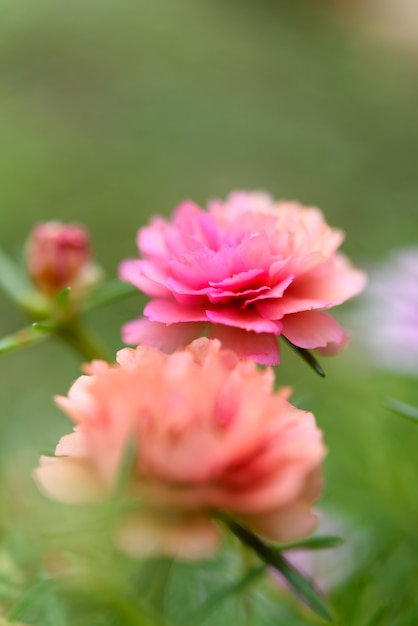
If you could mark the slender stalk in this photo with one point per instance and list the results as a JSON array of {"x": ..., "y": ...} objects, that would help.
[
  {"x": 82, "y": 340},
  {"x": 247, "y": 564},
  {"x": 155, "y": 577}
]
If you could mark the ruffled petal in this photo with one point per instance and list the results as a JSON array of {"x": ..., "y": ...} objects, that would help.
[
  {"x": 262, "y": 348},
  {"x": 171, "y": 312},
  {"x": 333, "y": 282},
  {"x": 246, "y": 319},
  {"x": 167, "y": 338},
  {"x": 146, "y": 276},
  {"x": 310, "y": 329}
]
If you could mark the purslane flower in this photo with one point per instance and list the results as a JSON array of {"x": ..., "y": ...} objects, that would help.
[
  {"x": 209, "y": 434},
  {"x": 58, "y": 256},
  {"x": 245, "y": 271},
  {"x": 387, "y": 318}
]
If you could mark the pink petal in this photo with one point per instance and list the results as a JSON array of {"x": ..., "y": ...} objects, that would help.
[
  {"x": 151, "y": 240},
  {"x": 247, "y": 296},
  {"x": 197, "y": 225},
  {"x": 276, "y": 309},
  {"x": 310, "y": 329},
  {"x": 167, "y": 338},
  {"x": 262, "y": 348},
  {"x": 145, "y": 276},
  {"x": 192, "y": 272},
  {"x": 171, "y": 312},
  {"x": 255, "y": 250},
  {"x": 275, "y": 293},
  {"x": 333, "y": 282},
  {"x": 239, "y": 280},
  {"x": 245, "y": 319}
]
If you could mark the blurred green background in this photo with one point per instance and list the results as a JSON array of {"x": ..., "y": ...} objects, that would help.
[{"x": 111, "y": 111}]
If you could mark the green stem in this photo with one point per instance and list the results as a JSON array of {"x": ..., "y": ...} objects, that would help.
[
  {"x": 83, "y": 341},
  {"x": 247, "y": 564},
  {"x": 155, "y": 577}
]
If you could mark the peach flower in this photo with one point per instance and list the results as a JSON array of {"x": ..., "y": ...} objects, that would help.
[
  {"x": 247, "y": 270},
  {"x": 209, "y": 433}
]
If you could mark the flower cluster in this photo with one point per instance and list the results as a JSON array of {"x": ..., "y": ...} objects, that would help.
[{"x": 211, "y": 436}]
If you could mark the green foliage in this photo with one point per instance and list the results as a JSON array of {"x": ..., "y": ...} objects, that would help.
[
  {"x": 113, "y": 111},
  {"x": 404, "y": 410}
]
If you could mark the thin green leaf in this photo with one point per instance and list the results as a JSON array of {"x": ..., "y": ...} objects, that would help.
[
  {"x": 47, "y": 326},
  {"x": 407, "y": 411},
  {"x": 23, "y": 338},
  {"x": 32, "y": 596},
  {"x": 13, "y": 282},
  {"x": 63, "y": 297},
  {"x": 126, "y": 466},
  {"x": 307, "y": 357},
  {"x": 54, "y": 611},
  {"x": 106, "y": 293},
  {"x": 274, "y": 559},
  {"x": 303, "y": 587},
  {"x": 376, "y": 620},
  {"x": 314, "y": 543},
  {"x": 199, "y": 616}
]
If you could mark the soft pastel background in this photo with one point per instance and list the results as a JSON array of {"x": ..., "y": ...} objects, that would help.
[{"x": 113, "y": 110}]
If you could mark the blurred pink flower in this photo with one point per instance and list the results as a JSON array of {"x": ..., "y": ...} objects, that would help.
[
  {"x": 250, "y": 269},
  {"x": 209, "y": 433},
  {"x": 59, "y": 255},
  {"x": 387, "y": 319}
]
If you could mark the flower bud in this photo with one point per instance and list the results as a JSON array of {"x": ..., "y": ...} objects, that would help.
[{"x": 59, "y": 255}]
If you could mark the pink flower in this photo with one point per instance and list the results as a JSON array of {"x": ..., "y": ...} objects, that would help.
[
  {"x": 59, "y": 255},
  {"x": 209, "y": 433},
  {"x": 248, "y": 270},
  {"x": 388, "y": 320}
]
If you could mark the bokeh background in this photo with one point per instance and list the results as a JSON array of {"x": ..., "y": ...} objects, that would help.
[{"x": 113, "y": 110}]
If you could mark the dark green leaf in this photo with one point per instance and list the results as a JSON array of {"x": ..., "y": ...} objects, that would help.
[
  {"x": 308, "y": 358},
  {"x": 274, "y": 559},
  {"x": 314, "y": 543},
  {"x": 302, "y": 586}
]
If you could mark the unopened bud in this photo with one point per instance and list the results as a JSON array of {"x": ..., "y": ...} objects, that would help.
[{"x": 58, "y": 256}]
